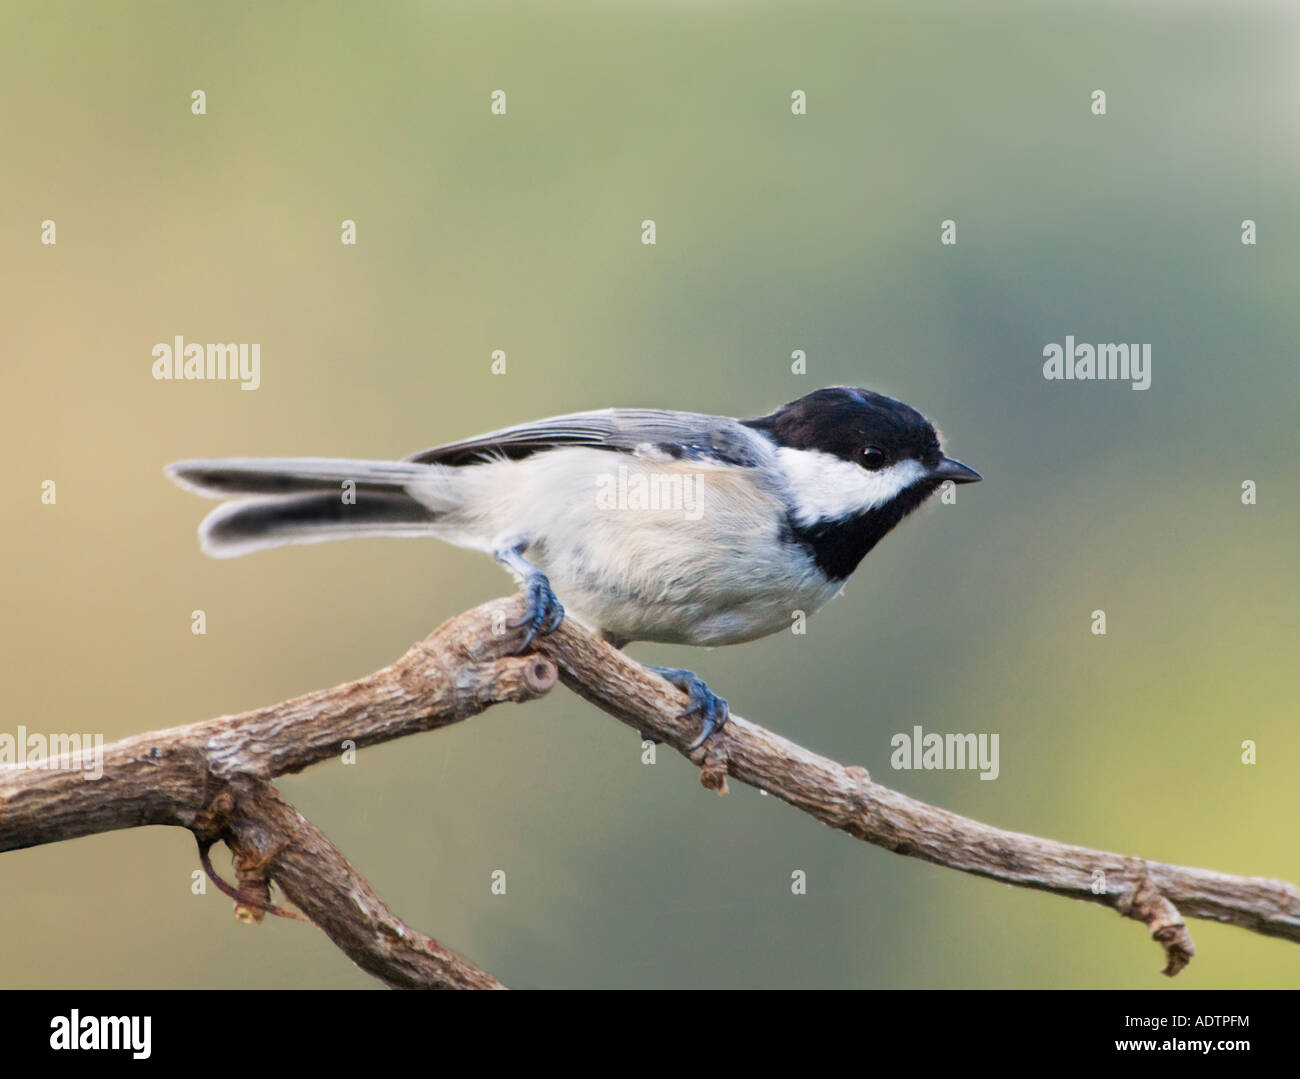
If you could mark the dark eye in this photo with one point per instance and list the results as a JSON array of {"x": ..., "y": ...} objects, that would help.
[{"x": 873, "y": 458}]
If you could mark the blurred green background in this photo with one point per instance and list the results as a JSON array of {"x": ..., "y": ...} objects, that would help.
[{"x": 775, "y": 232}]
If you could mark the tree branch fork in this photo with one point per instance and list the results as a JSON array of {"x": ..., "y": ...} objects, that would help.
[{"x": 215, "y": 778}]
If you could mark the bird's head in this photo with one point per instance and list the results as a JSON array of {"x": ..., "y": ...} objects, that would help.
[{"x": 856, "y": 463}]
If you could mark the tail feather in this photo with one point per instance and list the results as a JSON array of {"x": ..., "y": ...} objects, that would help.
[
  {"x": 291, "y": 475},
  {"x": 255, "y": 524}
]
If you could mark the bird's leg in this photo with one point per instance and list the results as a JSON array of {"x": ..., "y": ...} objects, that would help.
[
  {"x": 713, "y": 710},
  {"x": 542, "y": 613}
]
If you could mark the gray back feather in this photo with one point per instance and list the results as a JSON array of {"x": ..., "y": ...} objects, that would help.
[{"x": 685, "y": 435}]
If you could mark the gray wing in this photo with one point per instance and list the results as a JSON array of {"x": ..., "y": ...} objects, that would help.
[{"x": 679, "y": 435}]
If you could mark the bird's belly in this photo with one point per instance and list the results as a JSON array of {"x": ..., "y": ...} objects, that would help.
[{"x": 709, "y": 598}]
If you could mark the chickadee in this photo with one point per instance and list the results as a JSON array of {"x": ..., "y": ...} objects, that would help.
[{"x": 653, "y": 525}]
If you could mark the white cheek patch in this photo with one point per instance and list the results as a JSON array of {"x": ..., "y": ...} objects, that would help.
[{"x": 824, "y": 487}]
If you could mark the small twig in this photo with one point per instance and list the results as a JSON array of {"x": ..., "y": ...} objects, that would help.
[{"x": 249, "y": 907}]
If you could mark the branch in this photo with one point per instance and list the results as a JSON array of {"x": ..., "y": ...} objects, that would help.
[
  {"x": 846, "y": 798},
  {"x": 214, "y": 778},
  {"x": 273, "y": 841}
]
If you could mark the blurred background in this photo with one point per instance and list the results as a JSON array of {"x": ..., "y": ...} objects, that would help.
[{"x": 775, "y": 232}]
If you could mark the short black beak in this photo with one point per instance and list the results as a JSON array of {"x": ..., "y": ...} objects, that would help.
[{"x": 956, "y": 471}]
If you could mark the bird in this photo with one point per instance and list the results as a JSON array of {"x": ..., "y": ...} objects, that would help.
[{"x": 644, "y": 524}]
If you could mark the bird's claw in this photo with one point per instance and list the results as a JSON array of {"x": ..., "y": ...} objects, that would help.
[
  {"x": 543, "y": 612},
  {"x": 712, "y": 709}
]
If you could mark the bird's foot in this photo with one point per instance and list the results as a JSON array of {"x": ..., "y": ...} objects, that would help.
[
  {"x": 713, "y": 710},
  {"x": 543, "y": 612}
]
